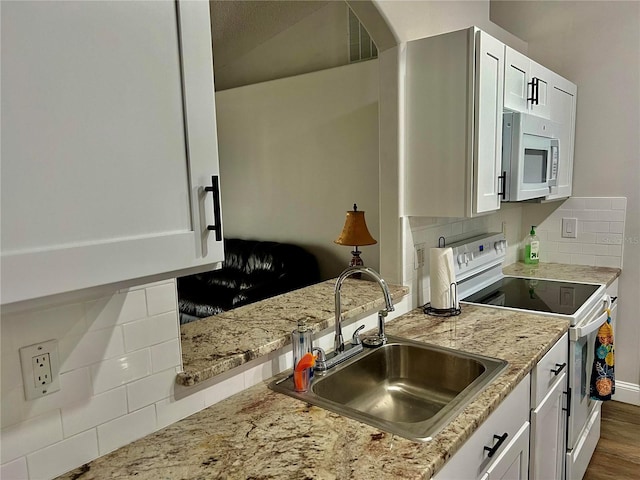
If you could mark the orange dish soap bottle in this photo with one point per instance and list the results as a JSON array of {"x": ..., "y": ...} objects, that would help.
[{"x": 532, "y": 248}]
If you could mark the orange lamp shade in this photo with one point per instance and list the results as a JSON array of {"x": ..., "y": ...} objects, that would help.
[{"x": 355, "y": 231}]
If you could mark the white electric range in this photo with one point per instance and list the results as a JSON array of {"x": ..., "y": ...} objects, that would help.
[{"x": 478, "y": 266}]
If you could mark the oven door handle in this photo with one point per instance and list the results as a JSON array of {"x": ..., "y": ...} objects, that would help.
[{"x": 581, "y": 331}]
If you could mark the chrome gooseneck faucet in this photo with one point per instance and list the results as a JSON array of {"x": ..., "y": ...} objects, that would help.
[{"x": 380, "y": 339}]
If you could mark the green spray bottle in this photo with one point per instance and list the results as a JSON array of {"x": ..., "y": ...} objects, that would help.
[{"x": 532, "y": 248}]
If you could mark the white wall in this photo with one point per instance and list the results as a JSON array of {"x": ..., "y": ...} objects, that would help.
[
  {"x": 296, "y": 154},
  {"x": 411, "y": 19},
  {"x": 596, "y": 45}
]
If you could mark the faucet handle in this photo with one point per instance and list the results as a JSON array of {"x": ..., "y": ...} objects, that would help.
[{"x": 355, "y": 339}]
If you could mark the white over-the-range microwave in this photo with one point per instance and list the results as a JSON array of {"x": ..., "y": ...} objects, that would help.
[{"x": 530, "y": 152}]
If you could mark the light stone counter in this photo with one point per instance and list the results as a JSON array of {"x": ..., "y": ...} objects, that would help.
[
  {"x": 216, "y": 344},
  {"x": 560, "y": 271},
  {"x": 262, "y": 434}
]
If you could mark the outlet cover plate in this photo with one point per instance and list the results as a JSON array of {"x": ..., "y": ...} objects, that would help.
[{"x": 32, "y": 388}]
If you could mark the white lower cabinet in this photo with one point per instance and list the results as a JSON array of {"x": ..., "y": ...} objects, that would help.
[
  {"x": 548, "y": 433},
  {"x": 548, "y": 415},
  {"x": 513, "y": 462},
  {"x": 500, "y": 446}
]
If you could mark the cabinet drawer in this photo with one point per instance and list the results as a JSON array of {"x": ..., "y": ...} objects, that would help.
[
  {"x": 472, "y": 460},
  {"x": 548, "y": 370}
]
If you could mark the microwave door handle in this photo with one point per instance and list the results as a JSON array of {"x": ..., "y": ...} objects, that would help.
[{"x": 552, "y": 171}]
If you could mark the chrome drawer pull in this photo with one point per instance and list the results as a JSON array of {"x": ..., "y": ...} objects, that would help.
[
  {"x": 559, "y": 369},
  {"x": 494, "y": 449}
]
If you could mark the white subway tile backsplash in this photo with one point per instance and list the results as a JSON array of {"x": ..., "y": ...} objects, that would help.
[
  {"x": 593, "y": 227},
  {"x": 12, "y": 406},
  {"x": 92, "y": 347},
  {"x": 117, "y": 371},
  {"x": 100, "y": 409},
  {"x": 616, "y": 227},
  {"x": 595, "y": 249},
  {"x": 125, "y": 429},
  {"x": 151, "y": 331},
  {"x": 166, "y": 355},
  {"x": 74, "y": 386},
  {"x": 559, "y": 258},
  {"x": 16, "y": 470},
  {"x": 151, "y": 389},
  {"x": 257, "y": 374},
  {"x": 619, "y": 203},
  {"x": 161, "y": 299},
  {"x": 574, "y": 203},
  {"x": 610, "y": 238},
  {"x": 569, "y": 248},
  {"x": 225, "y": 388},
  {"x": 598, "y": 203},
  {"x": 583, "y": 259},
  {"x": 117, "y": 309},
  {"x": 600, "y": 231},
  {"x": 171, "y": 410},
  {"x": 30, "y": 435},
  {"x": 614, "y": 250},
  {"x": 609, "y": 261},
  {"x": 63, "y": 456}
]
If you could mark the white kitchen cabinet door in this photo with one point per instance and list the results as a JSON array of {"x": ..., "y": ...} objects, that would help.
[
  {"x": 540, "y": 78},
  {"x": 548, "y": 433},
  {"x": 563, "y": 95},
  {"x": 499, "y": 436},
  {"x": 489, "y": 96},
  {"x": 516, "y": 81},
  {"x": 513, "y": 462},
  {"x": 453, "y": 124},
  {"x": 108, "y": 145},
  {"x": 527, "y": 85}
]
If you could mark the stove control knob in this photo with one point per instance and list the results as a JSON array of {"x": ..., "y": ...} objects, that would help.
[
  {"x": 498, "y": 246},
  {"x": 462, "y": 258}
]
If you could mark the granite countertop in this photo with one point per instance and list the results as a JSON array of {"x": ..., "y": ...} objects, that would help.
[
  {"x": 559, "y": 271},
  {"x": 262, "y": 434},
  {"x": 216, "y": 344}
]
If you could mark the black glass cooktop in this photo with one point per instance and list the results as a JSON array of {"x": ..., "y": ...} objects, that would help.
[{"x": 540, "y": 295}]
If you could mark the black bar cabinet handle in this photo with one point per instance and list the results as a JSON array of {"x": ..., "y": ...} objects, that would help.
[
  {"x": 559, "y": 368},
  {"x": 494, "y": 449},
  {"x": 503, "y": 178},
  {"x": 532, "y": 98},
  {"x": 215, "y": 189}
]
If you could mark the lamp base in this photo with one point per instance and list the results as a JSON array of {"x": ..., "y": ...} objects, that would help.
[{"x": 356, "y": 261}]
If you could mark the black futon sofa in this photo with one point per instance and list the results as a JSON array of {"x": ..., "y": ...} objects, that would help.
[{"x": 252, "y": 270}]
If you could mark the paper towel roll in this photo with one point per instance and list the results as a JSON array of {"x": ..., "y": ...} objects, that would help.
[{"x": 442, "y": 276}]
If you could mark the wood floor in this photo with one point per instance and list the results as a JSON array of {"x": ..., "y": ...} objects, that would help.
[{"x": 617, "y": 455}]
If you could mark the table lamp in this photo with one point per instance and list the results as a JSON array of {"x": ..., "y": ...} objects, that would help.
[{"x": 355, "y": 233}]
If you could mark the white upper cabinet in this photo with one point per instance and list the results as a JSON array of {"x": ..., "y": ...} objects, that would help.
[
  {"x": 108, "y": 145},
  {"x": 562, "y": 99},
  {"x": 454, "y": 102},
  {"x": 526, "y": 85}
]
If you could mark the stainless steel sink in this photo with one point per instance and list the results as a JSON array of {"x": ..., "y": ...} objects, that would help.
[{"x": 408, "y": 388}]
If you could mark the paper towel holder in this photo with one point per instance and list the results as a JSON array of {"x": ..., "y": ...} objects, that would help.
[{"x": 446, "y": 312}]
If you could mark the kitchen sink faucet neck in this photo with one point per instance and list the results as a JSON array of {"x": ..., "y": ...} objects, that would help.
[{"x": 380, "y": 339}]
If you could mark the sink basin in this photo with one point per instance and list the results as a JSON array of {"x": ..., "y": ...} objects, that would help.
[{"x": 408, "y": 388}]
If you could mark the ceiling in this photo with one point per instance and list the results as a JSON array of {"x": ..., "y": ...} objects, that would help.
[{"x": 238, "y": 26}]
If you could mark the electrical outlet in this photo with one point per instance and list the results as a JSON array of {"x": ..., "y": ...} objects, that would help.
[
  {"x": 40, "y": 369},
  {"x": 418, "y": 261}
]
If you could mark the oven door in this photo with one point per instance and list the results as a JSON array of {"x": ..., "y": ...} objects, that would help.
[{"x": 581, "y": 435}]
